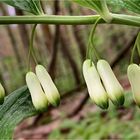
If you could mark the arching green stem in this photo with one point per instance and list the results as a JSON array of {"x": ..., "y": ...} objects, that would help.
[
  {"x": 31, "y": 48},
  {"x": 92, "y": 39},
  {"x": 138, "y": 43},
  {"x": 134, "y": 49},
  {"x": 90, "y": 42}
]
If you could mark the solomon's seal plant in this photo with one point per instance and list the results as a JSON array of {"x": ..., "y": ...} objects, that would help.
[
  {"x": 112, "y": 86},
  {"x": 94, "y": 85},
  {"x": 26, "y": 102}
]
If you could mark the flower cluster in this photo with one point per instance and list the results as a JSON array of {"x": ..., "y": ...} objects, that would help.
[
  {"x": 43, "y": 90},
  {"x": 102, "y": 84}
]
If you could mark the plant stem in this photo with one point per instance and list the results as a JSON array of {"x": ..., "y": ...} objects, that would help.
[
  {"x": 91, "y": 43},
  {"x": 69, "y": 20},
  {"x": 92, "y": 39},
  {"x": 31, "y": 48},
  {"x": 133, "y": 52},
  {"x": 106, "y": 15},
  {"x": 138, "y": 43}
]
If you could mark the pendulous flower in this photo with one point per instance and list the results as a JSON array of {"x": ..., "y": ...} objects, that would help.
[
  {"x": 133, "y": 73},
  {"x": 48, "y": 86},
  {"x": 113, "y": 87},
  {"x": 39, "y": 98},
  {"x": 95, "y": 88}
]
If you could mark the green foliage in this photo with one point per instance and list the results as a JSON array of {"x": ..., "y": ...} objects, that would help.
[
  {"x": 32, "y": 6},
  {"x": 94, "y": 5},
  {"x": 16, "y": 107},
  {"x": 132, "y": 5},
  {"x": 98, "y": 5}
]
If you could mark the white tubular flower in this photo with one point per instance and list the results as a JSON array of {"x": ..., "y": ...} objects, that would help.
[
  {"x": 133, "y": 73},
  {"x": 39, "y": 98},
  {"x": 113, "y": 87},
  {"x": 95, "y": 88},
  {"x": 49, "y": 87},
  {"x": 2, "y": 94}
]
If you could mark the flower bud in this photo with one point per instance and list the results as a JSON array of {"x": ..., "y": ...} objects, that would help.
[
  {"x": 133, "y": 73},
  {"x": 48, "y": 85},
  {"x": 39, "y": 98},
  {"x": 95, "y": 88},
  {"x": 2, "y": 94},
  {"x": 114, "y": 89}
]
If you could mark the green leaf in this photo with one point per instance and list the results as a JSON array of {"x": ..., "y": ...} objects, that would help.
[
  {"x": 131, "y": 5},
  {"x": 16, "y": 107},
  {"x": 86, "y": 3},
  {"x": 98, "y": 5},
  {"x": 32, "y": 6}
]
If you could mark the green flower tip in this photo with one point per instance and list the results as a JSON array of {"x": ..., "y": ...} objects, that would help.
[
  {"x": 133, "y": 73},
  {"x": 48, "y": 85},
  {"x": 119, "y": 101},
  {"x": 2, "y": 94},
  {"x": 57, "y": 102},
  {"x": 104, "y": 104},
  {"x": 39, "y": 99}
]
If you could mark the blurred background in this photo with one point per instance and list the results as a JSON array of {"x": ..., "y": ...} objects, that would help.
[{"x": 62, "y": 49}]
